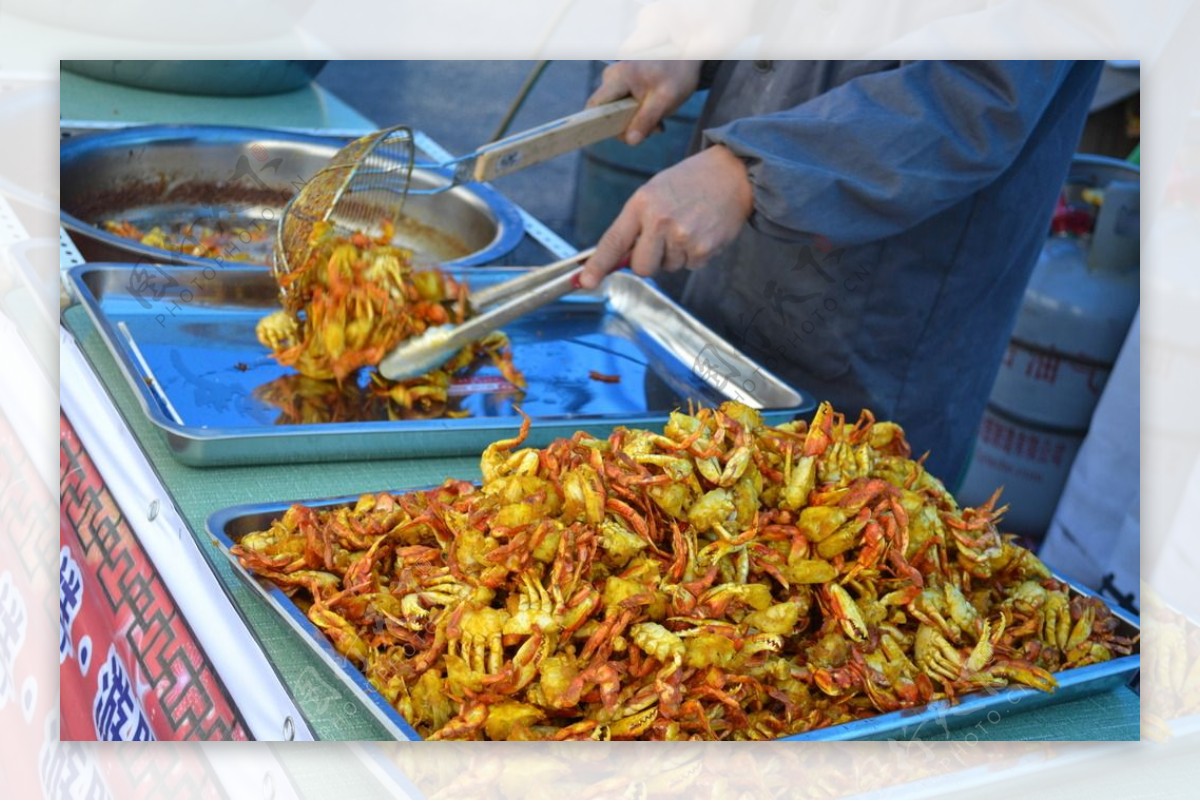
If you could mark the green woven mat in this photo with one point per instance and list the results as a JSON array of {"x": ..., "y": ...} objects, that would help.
[
  {"x": 330, "y": 709},
  {"x": 1107, "y": 716}
]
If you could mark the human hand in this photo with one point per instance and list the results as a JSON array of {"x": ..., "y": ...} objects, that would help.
[
  {"x": 660, "y": 87},
  {"x": 679, "y": 218}
]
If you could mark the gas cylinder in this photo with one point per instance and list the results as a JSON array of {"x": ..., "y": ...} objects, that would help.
[{"x": 1081, "y": 298}]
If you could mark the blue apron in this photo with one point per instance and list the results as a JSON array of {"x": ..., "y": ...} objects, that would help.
[{"x": 899, "y": 208}]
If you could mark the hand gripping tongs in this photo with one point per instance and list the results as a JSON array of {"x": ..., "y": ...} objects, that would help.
[{"x": 494, "y": 306}]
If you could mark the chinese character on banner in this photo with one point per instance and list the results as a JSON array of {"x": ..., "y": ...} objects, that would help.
[
  {"x": 115, "y": 711},
  {"x": 70, "y": 598},
  {"x": 12, "y": 636},
  {"x": 987, "y": 432},
  {"x": 68, "y": 770}
]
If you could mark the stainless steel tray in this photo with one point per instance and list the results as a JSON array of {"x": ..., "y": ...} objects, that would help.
[
  {"x": 228, "y": 526},
  {"x": 184, "y": 338},
  {"x": 176, "y": 175}
]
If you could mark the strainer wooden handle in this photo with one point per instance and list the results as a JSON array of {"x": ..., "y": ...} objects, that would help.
[{"x": 552, "y": 139}]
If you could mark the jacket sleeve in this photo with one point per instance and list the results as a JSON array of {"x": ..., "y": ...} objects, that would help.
[{"x": 883, "y": 152}]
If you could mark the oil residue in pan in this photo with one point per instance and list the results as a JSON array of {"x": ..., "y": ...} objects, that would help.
[
  {"x": 238, "y": 221},
  {"x": 221, "y": 238},
  {"x": 179, "y": 196}
]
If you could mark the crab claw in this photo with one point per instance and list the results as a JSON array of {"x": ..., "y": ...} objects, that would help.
[
  {"x": 1027, "y": 673},
  {"x": 820, "y": 433}
]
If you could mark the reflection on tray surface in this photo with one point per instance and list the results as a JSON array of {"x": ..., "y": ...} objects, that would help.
[{"x": 304, "y": 401}]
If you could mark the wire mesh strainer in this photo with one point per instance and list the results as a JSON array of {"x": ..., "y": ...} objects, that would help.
[
  {"x": 364, "y": 183},
  {"x": 368, "y": 180}
]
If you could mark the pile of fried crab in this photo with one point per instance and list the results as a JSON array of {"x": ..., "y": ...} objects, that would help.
[{"x": 723, "y": 579}]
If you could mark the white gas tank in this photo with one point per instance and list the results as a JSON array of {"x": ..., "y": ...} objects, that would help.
[{"x": 1081, "y": 298}]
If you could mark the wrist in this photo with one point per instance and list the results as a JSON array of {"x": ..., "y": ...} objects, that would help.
[{"x": 735, "y": 178}]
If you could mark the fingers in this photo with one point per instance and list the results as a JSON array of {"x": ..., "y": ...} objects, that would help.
[
  {"x": 611, "y": 250},
  {"x": 659, "y": 88},
  {"x": 647, "y": 255},
  {"x": 647, "y": 119},
  {"x": 650, "y": 104},
  {"x": 675, "y": 256},
  {"x": 679, "y": 219},
  {"x": 613, "y": 87}
]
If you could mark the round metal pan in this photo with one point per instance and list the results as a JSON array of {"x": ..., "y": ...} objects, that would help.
[{"x": 172, "y": 176}]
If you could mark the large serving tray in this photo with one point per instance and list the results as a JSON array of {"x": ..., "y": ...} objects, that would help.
[
  {"x": 228, "y": 526},
  {"x": 184, "y": 338}
]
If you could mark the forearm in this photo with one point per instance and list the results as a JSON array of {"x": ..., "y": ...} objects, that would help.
[{"x": 883, "y": 152}]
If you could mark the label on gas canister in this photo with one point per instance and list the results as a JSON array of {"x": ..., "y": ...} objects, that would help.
[
  {"x": 1031, "y": 463},
  {"x": 1048, "y": 388}
]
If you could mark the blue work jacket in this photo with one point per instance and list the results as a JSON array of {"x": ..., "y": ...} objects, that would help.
[{"x": 899, "y": 208}]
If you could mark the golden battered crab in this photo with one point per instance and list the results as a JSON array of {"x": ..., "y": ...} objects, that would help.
[
  {"x": 353, "y": 300},
  {"x": 721, "y": 579}
]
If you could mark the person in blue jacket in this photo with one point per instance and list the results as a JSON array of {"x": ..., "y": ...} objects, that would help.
[{"x": 866, "y": 229}]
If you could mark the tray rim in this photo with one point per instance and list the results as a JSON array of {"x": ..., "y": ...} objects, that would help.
[
  {"x": 874, "y": 727},
  {"x": 151, "y": 405}
]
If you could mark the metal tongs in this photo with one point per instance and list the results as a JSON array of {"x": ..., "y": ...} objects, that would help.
[{"x": 494, "y": 306}]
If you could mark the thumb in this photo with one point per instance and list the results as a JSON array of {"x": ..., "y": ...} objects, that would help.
[{"x": 647, "y": 119}]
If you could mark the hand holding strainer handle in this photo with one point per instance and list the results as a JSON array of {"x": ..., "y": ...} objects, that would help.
[{"x": 540, "y": 144}]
